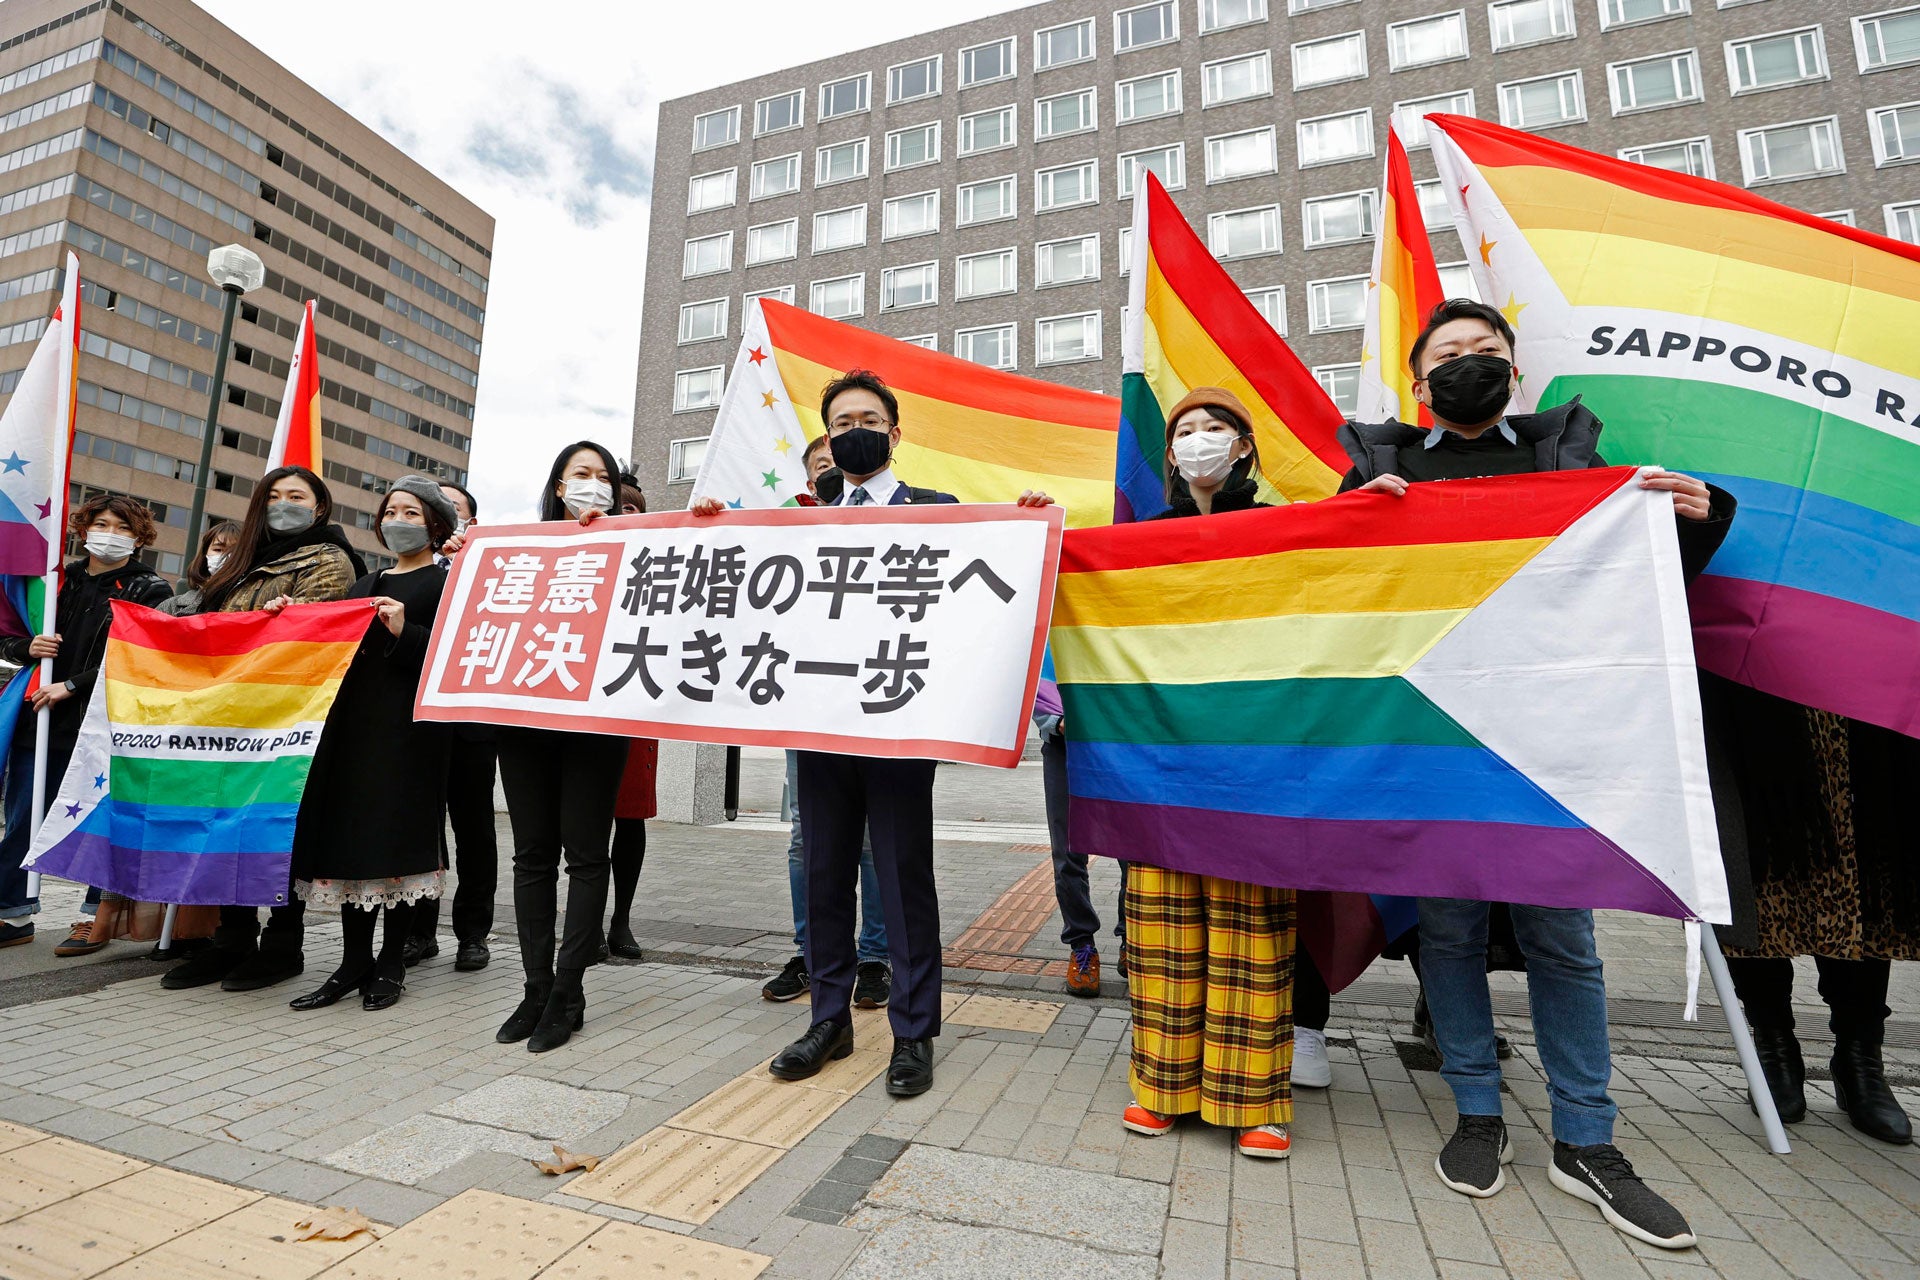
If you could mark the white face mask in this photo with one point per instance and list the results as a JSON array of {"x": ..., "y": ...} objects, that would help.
[
  {"x": 110, "y": 548},
  {"x": 1205, "y": 457},
  {"x": 587, "y": 495},
  {"x": 214, "y": 560}
]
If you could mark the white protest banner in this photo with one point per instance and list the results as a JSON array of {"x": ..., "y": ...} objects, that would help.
[{"x": 901, "y": 631}]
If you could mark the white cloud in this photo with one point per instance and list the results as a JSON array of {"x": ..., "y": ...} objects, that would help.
[{"x": 548, "y": 126}]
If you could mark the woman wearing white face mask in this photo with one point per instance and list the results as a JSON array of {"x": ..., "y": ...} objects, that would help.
[
  {"x": 1210, "y": 961},
  {"x": 216, "y": 544},
  {"x": 112, "y": 530}
]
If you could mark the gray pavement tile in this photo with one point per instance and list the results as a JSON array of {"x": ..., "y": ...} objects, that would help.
[
  {"x": 1111, "y": 1212},
  {"x": 539, "y": 1107},
  {"x": 820, "y": 1251},
  {"x": 1197, "y": 1249},
  {"x": 88, "y": 1124},
  {"x": 152, "y": 1142},
  {"x": 414, "y": 1150},
  {"x": 1200, "y": 1195},
  {"x": 1323, "y": 1260},
  {"x": 1395, "y": 1251},
  {"x": 299, "y": 1180},
  {"x": 225, "y": 1160},
  {"x": 1261, "y": 1233},
  {"x": 935, "y": 1250},
  {"x": 385, "y": 1202}
]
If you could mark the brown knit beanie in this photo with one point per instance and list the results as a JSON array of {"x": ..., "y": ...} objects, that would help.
[{"x": 1213, "y": 398}]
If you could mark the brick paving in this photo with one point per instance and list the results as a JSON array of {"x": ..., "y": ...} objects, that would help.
[{"x": 1015, "y": 1163}]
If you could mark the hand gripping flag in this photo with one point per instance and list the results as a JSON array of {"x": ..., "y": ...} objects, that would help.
[
  {"x": 187, "y": 776},
  {"x": 1402, "y": 292},
  {"x": 296, "y": 434},
  {"x": 1764, "y": 349},
  {"x": 979, "y": 434}
]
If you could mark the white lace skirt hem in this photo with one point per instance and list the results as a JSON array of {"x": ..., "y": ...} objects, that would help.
[{"x": 391, "y": 890}]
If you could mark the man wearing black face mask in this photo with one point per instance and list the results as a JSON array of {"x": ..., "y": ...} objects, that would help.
[{"x": 1463, "y": 368}]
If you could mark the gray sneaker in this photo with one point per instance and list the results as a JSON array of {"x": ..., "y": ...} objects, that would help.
[
  {"x": 1470, "y": 1162},
  {"x": 1601, "y": 1176}
]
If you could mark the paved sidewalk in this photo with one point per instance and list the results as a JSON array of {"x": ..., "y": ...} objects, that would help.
[{"x": 1015, "y": 1164}]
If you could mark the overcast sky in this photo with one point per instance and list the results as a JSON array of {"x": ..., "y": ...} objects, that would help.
[{"x": 549, "y": 128}]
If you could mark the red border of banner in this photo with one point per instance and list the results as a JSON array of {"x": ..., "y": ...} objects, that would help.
[{"x": 1055, "y": 517}]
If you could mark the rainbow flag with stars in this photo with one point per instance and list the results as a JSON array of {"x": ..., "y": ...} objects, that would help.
[
  {"x": 980, "y": 434},
  {"x": 186, "y": 780},
  {"x": 1764, "y": 349},
  {"x": 1484, "y": 689},
  {"x": 1401, "y": 293}
]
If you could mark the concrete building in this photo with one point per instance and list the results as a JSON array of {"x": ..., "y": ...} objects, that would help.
[
  {"x": 141, "y": 137},
  {"x": 968, "y": 188}
]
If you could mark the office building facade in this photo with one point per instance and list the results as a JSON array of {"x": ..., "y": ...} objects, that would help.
[
  {"x": 969, "y": 188},
  {"x": 141, "y": 136}
]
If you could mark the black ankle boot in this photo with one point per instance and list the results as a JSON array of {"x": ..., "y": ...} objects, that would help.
[
  {"x": 521, "y": 1022},
  {"x": 1779, "y": 1052},
  {"x": 566, "y": 1010},
  {"x": 1860, "y": 1087}
]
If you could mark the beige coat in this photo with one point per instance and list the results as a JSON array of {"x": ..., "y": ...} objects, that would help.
[{"x": 320, "y": 571}]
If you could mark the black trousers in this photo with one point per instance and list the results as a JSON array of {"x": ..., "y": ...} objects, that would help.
[
  {"x": 475, "y": 856},
  {"x": 286, "y": 931},
  {"x": 1078, "y": 920},
  {"x": 842, "y": 798},
  {"x": 1855, "y": 992},
  {"x": 560, "y": 789}
]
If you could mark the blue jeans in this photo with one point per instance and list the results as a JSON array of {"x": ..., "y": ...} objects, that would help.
[
  {"x": 872, "y": 943},
  {"x": 1568, "y": 998},
  {"x": 14, "y": 902}
]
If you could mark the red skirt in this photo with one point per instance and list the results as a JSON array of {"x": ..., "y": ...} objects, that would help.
[{"x": 636, "y": 784}]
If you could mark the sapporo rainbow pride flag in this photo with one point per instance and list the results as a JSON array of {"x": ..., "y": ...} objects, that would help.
[
  {"x": 978, "y": 433},
  {"x": 1764, "y": 349},
  {"x": 1484, "y": 689},
  {"x": 187, "y": 776}
]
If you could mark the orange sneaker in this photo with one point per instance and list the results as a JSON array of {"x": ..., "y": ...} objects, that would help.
[
  {"x": 1141, "y": 1120},
  {"x": 1083, "y": 971},
  {"x": 1268, "y": 1142}
]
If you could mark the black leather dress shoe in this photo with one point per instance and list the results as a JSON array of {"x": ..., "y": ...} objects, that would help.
[
  {"x": 381, "y": 992},
  {"x": 262, "y": 969},
  {"x": 1786, "y": 1073},
  {"x": 824, "y": 1042},
  {"x": 1860, "y": 1087},
  {"x": 620, "y": 942},
  {"x": 330, "y": 992},
  {"x": 471, "y": 956},
  {"x": 911, "y": 1071}
]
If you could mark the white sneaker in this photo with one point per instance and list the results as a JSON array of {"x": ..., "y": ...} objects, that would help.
[{"x": 1310, "y": 1067}]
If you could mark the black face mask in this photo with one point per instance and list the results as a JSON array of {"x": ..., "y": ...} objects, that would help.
[
  {"x": 861, "y": 452},
  {"x": 1470, "y": 389},
  {"x": 829, "y": 485}
]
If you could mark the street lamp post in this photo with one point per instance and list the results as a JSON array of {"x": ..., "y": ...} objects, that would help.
[{"x": 237, "y": 270}]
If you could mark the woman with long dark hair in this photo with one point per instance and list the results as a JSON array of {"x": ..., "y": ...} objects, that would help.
[
  {"x": 216, "y": 544},
  {"x": 288, "y": 550}
]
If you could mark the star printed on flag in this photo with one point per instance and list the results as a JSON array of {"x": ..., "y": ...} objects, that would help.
[
  {"x": 771, "y": 479},
  {"x": 99, "y": 781},
  {"x": 756, "y": 355},
  {"x": 768, "y": 399},
  {"x": 1512, "y": 310},
  {"x": 781, "y": 446},
  {"x": 14, "y": 463},
  {"x": 736, "y": 504},
  {"x": 1486, "y": 250},
  {"x": 73, "y": 811},
  {"x": 45, "y": 509}
]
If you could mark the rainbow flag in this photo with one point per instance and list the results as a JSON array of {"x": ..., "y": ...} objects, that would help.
[
  {"x": 187, "y": 776},
  {"x": 296, "y": 434},
  {"x": 977, "y": 433},
  {"x": 1404, "y": 290},
  {"x": 1189, "y": 325},
  {"x": 1482, "y": 690},
  {"x": 1766, "y": 350}
]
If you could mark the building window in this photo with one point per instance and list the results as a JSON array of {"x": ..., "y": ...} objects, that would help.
[
  {"x": 1518, "y": 23},
  {"x": 1124, "y": 247},
  {"x": 914, "y": 215},
  {"x": 1903, "y": 221},
  {"x": 1410, "y": 118},
  {"x": 684, "y": 458},
  {"x": 716, "y": 128},
  {"x": 1896, "y": 133},
  {"x": 908, "y": 148},
  {"x": 1341, "y": 382},
  {"x": 1543, "y": 102},
  {"x": 986, "y": 201},
  {"x": 696, "y": 389},
  {"x": 1146, "y": 25},
  {"x": 1433, "y": 204},
  {"x": 779, "y": 293},
  {"x": 712, "y": 190},
  {"x": 1065, "y": 186},
  {"x": 911, "y": 81},
  {"x": 1064, "y": 44},
  {"x": 773, "y": 242},
  {"x": 991, "y": 345},
  {"x": 985, "y": 63},
  {"x": 1063, "y": 113},
  {"x": 1842, "y": 216},
  {"x": 1687, "y": 155},
  {"x": 779, "y": 176},
  {"x": 987, "y": 131},
  {"x": 838, "y": 299},
  {"x": 779, "y": 113},
  {"x": 925, "y": 341},
  {"x": 984, "y": 275},
  {"x": 845, "y": 97},
  {"x": 1646, "y": 83},
  {"x": 1147, "y": 97},
  {"x": 1248, "y": 154},
  {"x": 1329, "y": 61},
  {"x": 1333, "y": 305},
  {"x": 1456, "y": 281},
  {"x": 1425, "y": 41},
  {"x": 1620, "y": 13},
  {"x": 1887, "y": 39},
  {"x": 705, "y": 255},
  {"x": 840, "y": 229},
  {"x": 1236, "y": 79},
  {"x": 1244, "y": 233},
  {"x": 1219, "y": 15},
  {"x": 1169, "y": 164},
  {"x": 1066, "y": 339},
  {"x": 701, "y": 321},
  {"x": 1271, "y": 303},
  {"x": 1341, "y": 219},
  {"x": 1073, "y": 260},
  {"x": 841, "y": 162},
  {"x": 1785, "y": 152},
  {"x": 1332, "y": 139},
  {"x": 912, "y": 286},
  {"x": 1772, "y": 62},
  {"x": 1304, "y": 6}
]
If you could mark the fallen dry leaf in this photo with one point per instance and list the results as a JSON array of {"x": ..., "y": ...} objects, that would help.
[
  {"x": 335, "y": 1222},
  {"x": 565, "y": 1161}
]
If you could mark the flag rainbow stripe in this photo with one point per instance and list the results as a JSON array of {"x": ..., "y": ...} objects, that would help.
[
  {"x": 1405, "y": 290},
  {"x": 296, "y": 433}
]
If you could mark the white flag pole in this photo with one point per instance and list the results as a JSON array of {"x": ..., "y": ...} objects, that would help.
[{"x": 1743, "y": 1044}]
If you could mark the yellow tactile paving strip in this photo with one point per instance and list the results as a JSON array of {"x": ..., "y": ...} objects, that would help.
[{"x": 252, "y": 1243}]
